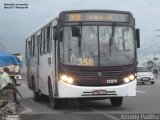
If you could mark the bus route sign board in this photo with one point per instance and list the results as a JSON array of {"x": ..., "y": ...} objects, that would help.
[{"x": 96, "y": 16}]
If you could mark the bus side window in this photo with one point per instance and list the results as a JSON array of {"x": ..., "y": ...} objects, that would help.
[
  {"x": 33, "y": 45},
  {"x": 55, "y": 36},
  {"x": 48, "y": 39},
  {"x": 30, "y": 48},
  {"x": 44, "y": 43},
  {"x": 40, "y": 44}
]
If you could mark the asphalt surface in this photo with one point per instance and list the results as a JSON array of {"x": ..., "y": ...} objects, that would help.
[{"x": 146, "y": 102}]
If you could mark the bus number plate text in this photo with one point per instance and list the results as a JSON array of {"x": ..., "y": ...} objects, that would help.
[{"x": 99, "y": 92}]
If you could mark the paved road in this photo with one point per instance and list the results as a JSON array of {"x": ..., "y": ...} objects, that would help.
[{"x": 147, "y": 101}]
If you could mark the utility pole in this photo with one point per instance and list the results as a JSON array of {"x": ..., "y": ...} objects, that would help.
[
  {"x": 154, "y": 58},
  {"x": 158, "y": 30}
]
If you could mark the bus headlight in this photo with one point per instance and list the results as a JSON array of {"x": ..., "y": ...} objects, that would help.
[
  {"x": 70, "y": 80},
  {"x": 129, "y": 78},
  {"x": 67, "y": 79},
  {"x": 126, "y": 80}
]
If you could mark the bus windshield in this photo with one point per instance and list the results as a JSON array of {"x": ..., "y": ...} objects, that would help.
[{"x": 98, "y": 46}]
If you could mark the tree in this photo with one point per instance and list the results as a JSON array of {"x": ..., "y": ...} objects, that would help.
[{"x": 150, "y": 64}]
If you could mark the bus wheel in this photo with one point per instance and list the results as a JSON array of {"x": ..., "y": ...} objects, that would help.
[
  {"x": 116, "y": 101},
  {"x": 36, "y": 95},
  {"x": 53, "y": 101}
]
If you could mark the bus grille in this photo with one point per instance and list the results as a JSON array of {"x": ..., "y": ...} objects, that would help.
[{"x": 98, "y": 74}]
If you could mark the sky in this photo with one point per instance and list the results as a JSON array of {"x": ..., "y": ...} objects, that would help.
[{"x": 17, "y": 24}]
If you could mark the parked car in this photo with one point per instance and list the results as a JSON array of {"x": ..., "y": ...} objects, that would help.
[{"x": 144, "y": 76}]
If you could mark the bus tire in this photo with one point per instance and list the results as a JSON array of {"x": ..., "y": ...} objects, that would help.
[
  {"x": 116, "y": 101},
  {"x": 54, "y": 103},
  {"x": 36, "y": 95}
]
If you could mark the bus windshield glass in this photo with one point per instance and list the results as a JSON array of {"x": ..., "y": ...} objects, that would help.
[{"x": 94, "y": 46}]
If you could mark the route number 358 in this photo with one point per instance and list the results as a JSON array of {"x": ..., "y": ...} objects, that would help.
[
  {"x": 74, "y": 17},
  {"x": 86, "y": 61}
]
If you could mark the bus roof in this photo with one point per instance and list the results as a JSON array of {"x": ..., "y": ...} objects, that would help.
[
  {"x": 97, "y": 10},
  {"x": 49, "y": 21}
]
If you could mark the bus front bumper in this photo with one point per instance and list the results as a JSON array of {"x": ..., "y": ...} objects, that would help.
[{"x": 66, "y": 90}]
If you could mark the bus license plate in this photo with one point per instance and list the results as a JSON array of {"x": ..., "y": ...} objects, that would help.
[
  {"x": 99, "y": 92},
  {"x": 145, "y": 79}
]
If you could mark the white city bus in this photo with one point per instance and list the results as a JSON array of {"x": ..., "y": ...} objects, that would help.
[{"x": 84, "y": 54}]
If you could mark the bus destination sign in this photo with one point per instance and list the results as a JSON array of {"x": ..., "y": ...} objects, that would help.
[{"x": 115, "y": 17}]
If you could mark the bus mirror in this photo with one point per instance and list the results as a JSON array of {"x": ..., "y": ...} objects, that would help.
[
  {"x": 138, "y": 38},
  {"x": 75, "y": 31}
]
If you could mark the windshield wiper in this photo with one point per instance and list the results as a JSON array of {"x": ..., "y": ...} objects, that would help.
[
  {"x": 80, "y": 40},
  {"x": 111, "y": 39}
]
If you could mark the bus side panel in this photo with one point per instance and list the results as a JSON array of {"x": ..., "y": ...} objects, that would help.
[
  {"x": 28, "y": 63},
  {"x": 36, "y": 69},
  {"x": 33, "y": 69},
  {"x": 44, "y": 72},
  {"x": 54, "y": 66},
  {"x": 33, "y": 72}
]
